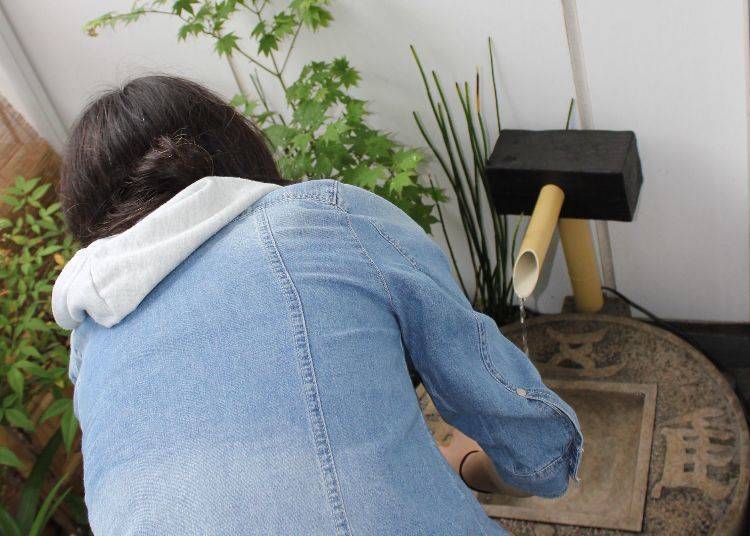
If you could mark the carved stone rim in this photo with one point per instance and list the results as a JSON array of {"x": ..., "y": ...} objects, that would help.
[{"x": 736, "y": 509}]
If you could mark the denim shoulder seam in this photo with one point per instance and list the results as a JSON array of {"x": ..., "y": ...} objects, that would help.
[
  {"x": 398, "y": 247},
  {"x": 369, "y": 259},
  {"x": 311, "y": 394},
  {"x": 295, "y": 197},
  {"x": 329, "y": 197}
]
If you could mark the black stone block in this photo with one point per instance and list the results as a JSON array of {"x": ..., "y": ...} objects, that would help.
[{"x": 599, "y": 171}]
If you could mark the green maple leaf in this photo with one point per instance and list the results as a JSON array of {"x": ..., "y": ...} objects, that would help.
[
  {"x": 193, "y": 28},
  {"x": 377, "y": 145},
  {"x": 355, "y": 111},
  {"x": 268, "y": 43},
  {"x": 226, "y": 43},
  {"x": 259, "y": 29},
  {"x": 400, "y": 181},
  {"x": 183, "y": 5},
  {"x": 366, "y": 177},
  {"x": 347, "y": 75},
  {"x": 407, "y": 159},
  {"x": 310, "y": 114},
  {"x": 334, "y": 131},
  {"x": 226, "y": 8},
  {"x": 311, "y": 13},
  {"x": 279, "y": 135},
  {"x": 283, "y": 24}
]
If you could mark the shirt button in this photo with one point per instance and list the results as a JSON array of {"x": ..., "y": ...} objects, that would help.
[{"x": 521, "y": 392}]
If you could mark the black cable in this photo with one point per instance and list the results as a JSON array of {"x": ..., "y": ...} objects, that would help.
[
  {"x": 664, "y": 324},
  {"x": 682, "y": 335}
]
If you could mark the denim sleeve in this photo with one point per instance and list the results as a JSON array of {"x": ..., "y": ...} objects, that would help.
[{"x": 480, "y": 382}]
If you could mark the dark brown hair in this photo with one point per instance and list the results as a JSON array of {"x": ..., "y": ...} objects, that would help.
[{"x": 135, "y": 147}]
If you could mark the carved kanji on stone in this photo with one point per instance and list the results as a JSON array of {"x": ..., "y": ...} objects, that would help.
[
  {"x": 692, "y": 449},
  {"x": 577, "y": 349}
]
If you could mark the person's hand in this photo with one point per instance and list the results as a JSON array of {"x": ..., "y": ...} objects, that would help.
[{"x": 474, "y": 467}]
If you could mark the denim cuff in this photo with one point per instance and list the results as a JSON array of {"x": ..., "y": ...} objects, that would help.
[{"x": 552, "y": 480}]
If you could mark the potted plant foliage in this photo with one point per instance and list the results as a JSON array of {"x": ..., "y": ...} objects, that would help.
[
  {"x": 461, "y": 147},
  {"x": 322, "y": 131},
  {"x": 38, "y": 430}
]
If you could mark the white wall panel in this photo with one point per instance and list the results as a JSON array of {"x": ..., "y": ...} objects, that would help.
[{"x": 675, "y": 73}]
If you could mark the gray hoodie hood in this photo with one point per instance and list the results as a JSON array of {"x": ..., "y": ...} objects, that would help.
[{"x": 109, "y": 278}]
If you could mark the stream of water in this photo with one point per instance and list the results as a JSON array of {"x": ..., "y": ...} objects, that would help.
[{"x": 524, "y": 327}]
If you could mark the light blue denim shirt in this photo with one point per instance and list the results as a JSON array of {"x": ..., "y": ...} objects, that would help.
[{"x": 262, "y": 386}]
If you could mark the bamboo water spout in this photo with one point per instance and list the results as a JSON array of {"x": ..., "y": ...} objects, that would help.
[
  {"x": 536, "y": 240},
  {"x": 578, "y": 247}
]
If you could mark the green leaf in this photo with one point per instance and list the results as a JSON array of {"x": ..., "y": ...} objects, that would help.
[
  {"x": 56, "y": 408},
  {"x": 9, "y": 200},
  {"x": 377, "y": 146},
  {"x": 75, "y": 506},
  {"x": 8, "y": 457},
  {"x": 39, "y": 191},
  {"x": 407, "y": 159},
  {"x": 283, "y": 24},
  {"x": 54, "y": 248},
  {"x": 30, "y": 351},
  {"x": 301, "y": 140},
  {"x": 111, "y": 19},
  {"x": 9, "y": 400},
  {"x": 183, "y": 5},
  {"x": 259, "y": 30},
  {"x": 245, "y": 105},
  {"x": 226, "y": 44},
  {"x": 334, "y": 131},
  {"x": 367, "y": 177},
  {"x": 26, "y": 185},
  {"x": 225, "y": 8},
  {"x": 48, "y": 507},
  {"x": 191, "y": 28},
  {"x": 15, "y": 380},
  {"x": 310, "y": 114},
  {"x": 68, "y": 427},
  {"x": 400, "y": 181},
  {"x": 323, "y": 167},
  {"x": 279, "y": 135},
  {"x": 31, "y": 490},
  {"x": 54, "y": 207},
  {"x": 238, "y": 101},
  {"x": 268, "y": 43},
  {"x": 32, "y": 368},
  {"x": 355, "y": 111},
  {"x": 311, "y": 13},
  {"x": 19, "y": 419},
  {"x": 34, "y": 324},
  {"x": 347, "y": 75},
  {"x": 8, "y": 525}
]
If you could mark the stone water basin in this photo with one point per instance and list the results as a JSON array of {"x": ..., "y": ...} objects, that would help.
[{"x": 617, "y": 420}]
